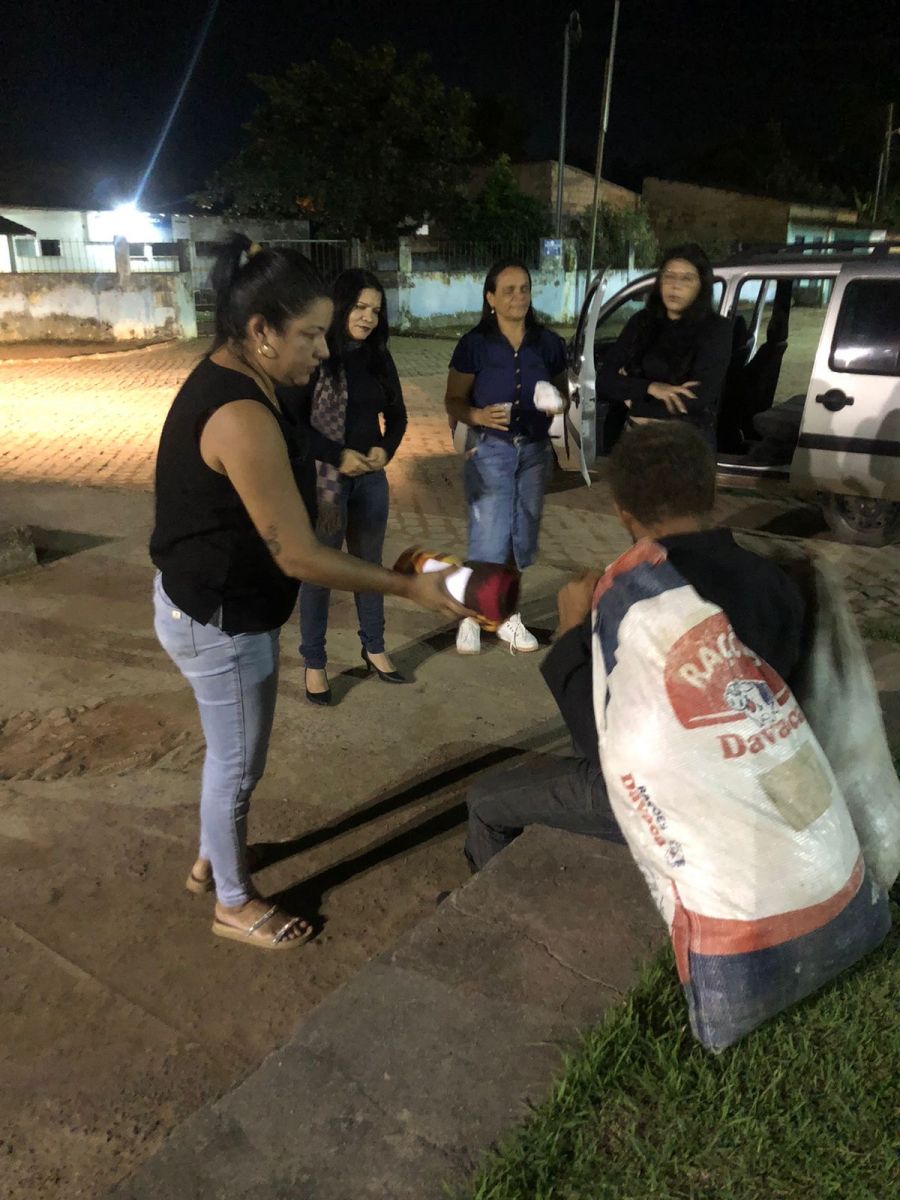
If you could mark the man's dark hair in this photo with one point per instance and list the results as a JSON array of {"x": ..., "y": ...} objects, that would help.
[{"x": 661, "y": 471}]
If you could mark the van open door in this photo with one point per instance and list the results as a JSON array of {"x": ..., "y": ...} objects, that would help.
[
  {"x": 572, "y": 433},
  {"x": 565, "y": 437}
]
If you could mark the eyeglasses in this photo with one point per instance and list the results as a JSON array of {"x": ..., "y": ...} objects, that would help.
[{"x": 680, "y": 277}]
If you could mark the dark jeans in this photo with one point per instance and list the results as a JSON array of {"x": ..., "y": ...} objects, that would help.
[
  {"x": 364, "y": 511},
  {"x": 564, "y": 793}
]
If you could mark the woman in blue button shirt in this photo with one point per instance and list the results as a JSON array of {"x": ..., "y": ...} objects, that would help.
[{"x": 490, "y": 388}]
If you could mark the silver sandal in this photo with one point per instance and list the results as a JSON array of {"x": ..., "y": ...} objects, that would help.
[{"x": 280, "y": 941}]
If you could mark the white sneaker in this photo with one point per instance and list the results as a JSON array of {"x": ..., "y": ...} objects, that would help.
[
  {"x": 520, "y": 639},
  {"x": 468, "y": 637}
]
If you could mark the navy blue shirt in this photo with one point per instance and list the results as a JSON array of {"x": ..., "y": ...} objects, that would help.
[{"x": 507, "y": 376}]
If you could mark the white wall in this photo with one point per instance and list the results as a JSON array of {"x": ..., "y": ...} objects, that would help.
[
  {"x": 423, "y": 296},
  {"x": 96, "y": 308}
]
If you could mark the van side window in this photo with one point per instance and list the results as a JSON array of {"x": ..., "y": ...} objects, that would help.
[
  {"x": 784, "y": 319},
  {"x": 612, "y": 323},
  {"x": 867, "y": 338}
]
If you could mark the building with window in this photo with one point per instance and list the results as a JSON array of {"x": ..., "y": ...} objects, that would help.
[
  {"x": 720, "y": 219},
  {"x": 56, "y": 240}
]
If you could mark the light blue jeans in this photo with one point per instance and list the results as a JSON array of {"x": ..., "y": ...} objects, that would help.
[
  {"x": 504, "y": 485},
  {"x": 234, "y": 678}
]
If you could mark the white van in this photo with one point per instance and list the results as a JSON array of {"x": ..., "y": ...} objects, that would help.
[{"x": 812, "y": 397}]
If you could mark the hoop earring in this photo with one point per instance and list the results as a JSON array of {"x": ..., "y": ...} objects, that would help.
[{"x": 266, "y": 351}]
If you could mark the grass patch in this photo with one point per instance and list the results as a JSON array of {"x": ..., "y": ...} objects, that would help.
[
  {"x": 880, "y": 631},
  {"x": 802, "y": 1109}
]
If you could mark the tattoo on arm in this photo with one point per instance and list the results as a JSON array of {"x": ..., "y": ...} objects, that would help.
[{"x": 272, "y": 541}]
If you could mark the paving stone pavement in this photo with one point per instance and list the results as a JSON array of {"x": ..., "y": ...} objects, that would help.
[{"x": 95, "y": 421}]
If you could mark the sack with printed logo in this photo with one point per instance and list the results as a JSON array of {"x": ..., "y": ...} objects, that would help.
[{"x": 727, "y": 802}]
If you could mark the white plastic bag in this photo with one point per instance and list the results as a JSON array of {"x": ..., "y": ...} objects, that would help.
[{"x": 836, "y": 690}]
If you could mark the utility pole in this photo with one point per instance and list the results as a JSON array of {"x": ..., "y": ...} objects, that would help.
[
  {"x": 572, "y": 36},
  {"x": 882, "y": 182},
  {"x": 601, "y": 136},
  {"x": 878, "y": 178}
]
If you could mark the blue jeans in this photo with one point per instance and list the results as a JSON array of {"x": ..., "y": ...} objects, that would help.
[
  {"x": 235, "y": 681},
  {"x": 504, "y": 486},
  {"x": 364, "y": 514}
]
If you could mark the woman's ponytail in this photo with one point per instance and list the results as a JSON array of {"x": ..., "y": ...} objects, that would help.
[{"x": 247, "y": 279}]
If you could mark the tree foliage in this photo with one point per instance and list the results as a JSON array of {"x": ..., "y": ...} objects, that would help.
[
  {"x": 364, "y": 143},
  {"x": 500, "y": 211},
  {"x": 619, "y": 231}
]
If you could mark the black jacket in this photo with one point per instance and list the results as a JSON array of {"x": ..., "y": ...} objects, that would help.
[
  {"x": 367, "y": 399},
  {"x": 664, "y": 351}
]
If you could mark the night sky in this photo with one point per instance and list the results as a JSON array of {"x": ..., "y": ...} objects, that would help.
[{"x": 86, "y": 86}]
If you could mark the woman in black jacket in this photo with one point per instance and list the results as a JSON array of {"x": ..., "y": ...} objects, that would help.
[
  {"x": 355, "y": 388},
  {"x": 670, "y": 360}
]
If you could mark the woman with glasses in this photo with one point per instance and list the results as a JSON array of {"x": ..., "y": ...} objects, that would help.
[{"x": 670, "y": 361}]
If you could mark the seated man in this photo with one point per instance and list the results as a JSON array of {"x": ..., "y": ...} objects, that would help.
[{"x": 663, "y": 479}]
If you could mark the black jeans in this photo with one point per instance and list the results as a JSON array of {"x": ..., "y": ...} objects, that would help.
[{"x": 564, "y": 793}]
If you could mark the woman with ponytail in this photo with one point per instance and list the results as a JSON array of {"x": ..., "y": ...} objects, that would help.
[{"x": 233, "y": 536}]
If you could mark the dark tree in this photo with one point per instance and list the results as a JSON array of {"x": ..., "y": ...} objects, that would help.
[{"x": 363, "y": 144}]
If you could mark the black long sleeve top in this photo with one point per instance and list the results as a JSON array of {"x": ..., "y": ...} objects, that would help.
[
  {"x": 367, "y": 400},
  {"x": 764, "y": 606},
  {"x": 671, "y": 357}
]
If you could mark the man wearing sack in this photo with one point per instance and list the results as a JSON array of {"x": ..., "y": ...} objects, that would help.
[{"x": 663, "y": 483}]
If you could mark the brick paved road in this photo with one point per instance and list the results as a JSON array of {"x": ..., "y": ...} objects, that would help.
[{"x": 95, "y": 421}]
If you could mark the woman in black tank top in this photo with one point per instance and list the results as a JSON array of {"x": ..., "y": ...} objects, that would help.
[{"x": 235, "y": 488}]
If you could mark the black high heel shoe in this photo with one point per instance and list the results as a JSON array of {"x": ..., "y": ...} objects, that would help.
[
  {"x": 320, "y": 698},
  {"x": 384, "y": 676}
]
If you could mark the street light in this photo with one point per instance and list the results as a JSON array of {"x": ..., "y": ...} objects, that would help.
[{"x": 571, "y": 37}]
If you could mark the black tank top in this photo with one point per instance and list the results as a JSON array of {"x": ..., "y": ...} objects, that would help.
[{"x": 214, "y": 564}]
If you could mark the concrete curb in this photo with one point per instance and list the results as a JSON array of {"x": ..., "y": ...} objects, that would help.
[{"x": 399, "y": 1082}]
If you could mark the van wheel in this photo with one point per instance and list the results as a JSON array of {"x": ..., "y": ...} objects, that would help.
[{"x": 860, "y": 521}]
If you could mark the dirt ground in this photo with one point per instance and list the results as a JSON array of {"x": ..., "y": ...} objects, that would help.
[{"x": 121, "y": 1013}]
